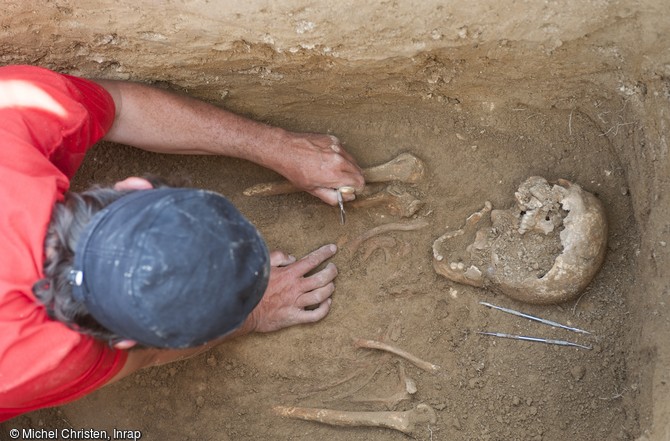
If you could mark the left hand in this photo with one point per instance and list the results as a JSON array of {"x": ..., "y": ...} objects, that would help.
[
  {"x": 319, "y": 164},
  {"x": 291, "y": 297}
]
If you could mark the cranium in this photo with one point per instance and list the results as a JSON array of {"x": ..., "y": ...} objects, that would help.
[{"x": 546, "y": 249}]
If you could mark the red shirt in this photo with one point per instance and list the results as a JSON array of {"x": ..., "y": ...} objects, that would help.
[{"x": 47, "y": 123}]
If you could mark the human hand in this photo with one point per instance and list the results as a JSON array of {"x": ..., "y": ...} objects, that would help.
[
  {"x": 319, "y": 164},
  {"x": 289, "y": 291}
]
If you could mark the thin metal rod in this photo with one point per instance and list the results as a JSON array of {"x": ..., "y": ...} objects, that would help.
[
  {"x": 537, "y": 319},
  {"x": 535, "y": 339},
  {"x": 340, "y": 203}
]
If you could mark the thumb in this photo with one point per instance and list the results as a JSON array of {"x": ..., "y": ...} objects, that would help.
[
  {"x": 327, "y": 195},
  {"x": 280, "y": 258}
]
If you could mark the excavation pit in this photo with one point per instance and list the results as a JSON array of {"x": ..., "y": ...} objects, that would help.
[{"x": 484, "y": 110}]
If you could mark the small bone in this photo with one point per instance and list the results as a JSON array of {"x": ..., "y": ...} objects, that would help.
[
  {"x": 406, "y": 422},
  {"x": 405, "y": 168},
  {"x": 373, "y": 344},
  {"x": 417, "y": 224},
  {"x": 390, "y": 402},
  {"x": 385, "y": 243},
  {"x": 405, "y": 381},
  {"x": 395, "y": 200},
  {"x": 407, "y": 388}
]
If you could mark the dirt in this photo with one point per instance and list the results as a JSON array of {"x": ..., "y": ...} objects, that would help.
[
  {"x": 483, "y": 117},
  {"x": 488, "y": 389}
]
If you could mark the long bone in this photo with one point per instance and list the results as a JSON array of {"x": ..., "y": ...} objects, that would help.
[
  {"x": 406, "y": 422},
  {"x": 405, "y": 168},
  {"x": 412, "y": 225},
  {"x": 374, "y": 344}
]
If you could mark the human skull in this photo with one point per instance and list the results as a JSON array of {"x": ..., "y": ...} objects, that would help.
[{"x": 546, "y": 249}]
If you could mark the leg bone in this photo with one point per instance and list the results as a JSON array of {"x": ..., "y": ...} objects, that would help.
[{"x": 405, "y": 422}]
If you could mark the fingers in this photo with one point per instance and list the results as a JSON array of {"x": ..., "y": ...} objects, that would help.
[
  {"x": 327, "y": 195},
  {"x": 133, "y": 183},
  {"x": 316, "y": 314},
  {"x": 291, "y": 298},
  {"x": 322, "y": 278},
  {"x": 280, "y": 258},
  {"x": 316, "y": 296},
  {"x": 314, "y": 259},
  {"x": 344, "y": 165},
  {"x": 336, "y": 146}
]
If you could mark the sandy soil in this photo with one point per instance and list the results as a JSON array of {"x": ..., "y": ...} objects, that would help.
[
  {"x": 488, "y": 389},
  {"x": 484, "y": 116}
]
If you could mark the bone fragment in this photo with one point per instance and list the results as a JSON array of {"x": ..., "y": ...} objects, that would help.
[
  {"x": 389, "y": 402},
  {"x": 417, "y": 224},
  {"x": 407, "y": 422},
  {"x": 385, "y": 243},
  {"x": 405, "y": 381},
  {"x": 407, "y": 388},
  {"x": 397, "y": 201},
  {"x": 405, "y": 168},
  {"x": 374, "y": 344}
]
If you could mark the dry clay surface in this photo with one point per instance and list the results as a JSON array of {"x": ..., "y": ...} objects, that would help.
[{"x": 486, "y": 388}]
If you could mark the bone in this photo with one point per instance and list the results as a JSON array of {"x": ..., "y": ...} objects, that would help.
[
  {"x": 389, "y": 402},
  {"x": 407, "y": 388},
  {"x": 405, "y": 168},
  {"x": 355, "y": 243},
  {"x": 397, "y": 201},
  {"x": 521, "y": 252},
  {"x": 384, "y": 243},
  {"x": 407, "y": 422},
  {"x": 405, "y": 381},
  {"x": 374, "y": 344}
]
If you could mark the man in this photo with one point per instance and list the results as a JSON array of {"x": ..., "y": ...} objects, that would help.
[{"x": 175, "y": 270}]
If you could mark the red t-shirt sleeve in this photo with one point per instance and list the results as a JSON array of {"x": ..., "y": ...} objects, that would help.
[{"x": 47, "y": 123}]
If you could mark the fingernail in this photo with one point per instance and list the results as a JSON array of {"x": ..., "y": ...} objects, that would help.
[{"x": 333, "y": 247}]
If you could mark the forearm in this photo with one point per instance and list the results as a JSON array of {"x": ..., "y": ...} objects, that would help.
[
  {"x": 143, "y": 358},
  {"x": 165, "y": 122}
]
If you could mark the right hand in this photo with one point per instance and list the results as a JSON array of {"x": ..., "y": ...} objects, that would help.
[
  {"x": 290, "y": 292},
  {"x": 319, "y": 164}
]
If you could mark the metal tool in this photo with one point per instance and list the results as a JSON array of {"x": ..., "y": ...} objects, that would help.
[
  {"x": 537, "y": 319},
  {"x": 535, "y": 339},
  {"x": 340, "y": 201}
]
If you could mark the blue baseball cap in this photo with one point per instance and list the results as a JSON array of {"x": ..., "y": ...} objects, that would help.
[{"x": 170, "y": 267}]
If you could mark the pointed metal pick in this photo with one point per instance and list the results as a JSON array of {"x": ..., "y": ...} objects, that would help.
[
  {"x": 340, "y": 202},
  {"x": 535, "y": 339},
  {"x": 534, "y": 318}
]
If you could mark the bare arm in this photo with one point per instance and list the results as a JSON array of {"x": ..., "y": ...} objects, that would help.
[{"x": 161, "y": 121}]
